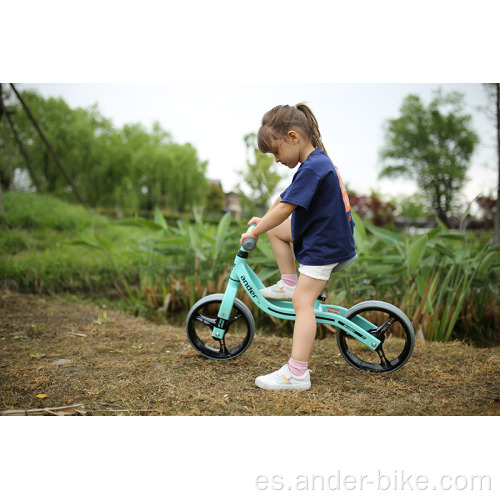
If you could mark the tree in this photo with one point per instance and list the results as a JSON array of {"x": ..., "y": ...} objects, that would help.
[
  {"x": 261, "y": 176},
  {"x": 216, "y": 199},
  {"x": 126, "y": 169},
  {"x": 493, "y": 91},
  {"x": 432, "y": 145}
]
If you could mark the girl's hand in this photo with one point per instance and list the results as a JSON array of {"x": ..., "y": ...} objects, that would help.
[
  {"x": 254, "y": 220},
  {"x": 248, "y": 235}
]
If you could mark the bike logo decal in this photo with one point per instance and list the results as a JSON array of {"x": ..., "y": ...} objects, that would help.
[{"x": 249, "y": 288}]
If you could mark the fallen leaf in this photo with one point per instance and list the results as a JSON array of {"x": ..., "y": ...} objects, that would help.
[
  {"x": 41, "y": 396},
  {"x": 38, "y": 355}
]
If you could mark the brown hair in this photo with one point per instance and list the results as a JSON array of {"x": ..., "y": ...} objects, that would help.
[{"x": 277, "y": 122}]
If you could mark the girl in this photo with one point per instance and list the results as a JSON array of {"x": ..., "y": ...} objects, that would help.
[{"x": 321, "y": 230}]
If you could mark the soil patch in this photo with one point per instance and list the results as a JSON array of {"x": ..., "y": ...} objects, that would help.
[{"x": 57, "y": 352}]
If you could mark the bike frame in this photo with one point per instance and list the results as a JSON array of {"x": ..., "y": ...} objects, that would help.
[{"x": 333, "y": 315}]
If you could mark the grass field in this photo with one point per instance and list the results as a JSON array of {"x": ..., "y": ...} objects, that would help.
[{"x": 117, "y": 364}]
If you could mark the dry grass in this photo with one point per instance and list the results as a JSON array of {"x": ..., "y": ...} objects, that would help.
[{"x": 119, "y": 364}]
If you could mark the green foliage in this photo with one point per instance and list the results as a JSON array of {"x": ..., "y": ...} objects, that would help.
[
  {"x": 38, "y": 254},
  {"x": 39, "y": 211},
  {"x": 432, "y": 145},
  {"x": 181, "y": 263},
  {"x": 411, "y": 207},
  {"x": 130, "y": 168},
  {"x": 216, "y": 199},
  {"x": 447, "y": 283}
]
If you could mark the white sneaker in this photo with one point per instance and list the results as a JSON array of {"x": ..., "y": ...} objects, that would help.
[
  {"x": 284, "y": 379},
  {"x": 280, "y": 291}
]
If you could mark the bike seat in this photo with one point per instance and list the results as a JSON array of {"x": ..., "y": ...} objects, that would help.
[
  {"x": 345, "y": 263},
  {"x": 339, "y": 267}
]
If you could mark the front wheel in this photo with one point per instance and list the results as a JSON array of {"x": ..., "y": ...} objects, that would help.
[
  {"x": 202, "y": 319},
  {"x": 390, "y": 325}
]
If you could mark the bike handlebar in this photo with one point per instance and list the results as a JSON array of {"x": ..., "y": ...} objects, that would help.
[{"x": 250, "y": 244}]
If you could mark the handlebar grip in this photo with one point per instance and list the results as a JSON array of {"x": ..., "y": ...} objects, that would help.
[{"x": 250, "y": 244}]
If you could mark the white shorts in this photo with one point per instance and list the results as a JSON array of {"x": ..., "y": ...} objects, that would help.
[{"x": 317, "y": 272}]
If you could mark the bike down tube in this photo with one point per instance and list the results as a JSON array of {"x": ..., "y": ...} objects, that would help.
[{"x": 284, "y": 309}]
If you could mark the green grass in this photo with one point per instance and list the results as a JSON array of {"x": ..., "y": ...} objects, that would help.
[
  {"x": 39, "y": 253},
  {"x": 39, "y": 211}
]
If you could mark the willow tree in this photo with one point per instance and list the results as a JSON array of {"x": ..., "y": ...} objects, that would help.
[{"x": 433, "y": 146}]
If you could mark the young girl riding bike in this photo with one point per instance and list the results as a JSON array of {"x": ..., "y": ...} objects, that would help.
[{"x": 321, "y": 230}]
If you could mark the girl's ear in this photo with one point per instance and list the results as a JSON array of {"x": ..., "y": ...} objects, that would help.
[{"x": 293, "y": 136}]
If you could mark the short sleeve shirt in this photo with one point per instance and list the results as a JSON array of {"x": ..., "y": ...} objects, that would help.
[{"x": 322, "y": 225}]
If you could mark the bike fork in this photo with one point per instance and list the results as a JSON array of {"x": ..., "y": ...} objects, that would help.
[{"x": 225, "y": 308}]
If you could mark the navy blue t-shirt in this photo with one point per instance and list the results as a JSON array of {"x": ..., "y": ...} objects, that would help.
[{"x": 322, "y": 226}]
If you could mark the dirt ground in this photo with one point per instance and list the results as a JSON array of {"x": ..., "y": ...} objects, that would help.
[{"x": 56, "y": 352}]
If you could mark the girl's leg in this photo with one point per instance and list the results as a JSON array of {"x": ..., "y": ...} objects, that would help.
[
  {"x": 307, "y": 291},
  {"x": 281, "y": 243},
  {"x": 295, "y": 375}
]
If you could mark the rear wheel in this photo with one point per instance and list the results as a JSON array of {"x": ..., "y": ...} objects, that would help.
[
  {"x": 202, "y": 319},
  {"x": 387, "y": 323}
]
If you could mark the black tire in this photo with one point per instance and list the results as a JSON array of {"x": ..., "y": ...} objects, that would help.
[
  {"x": 201, "y": 320},
  {"x": 394, "y": 330}
]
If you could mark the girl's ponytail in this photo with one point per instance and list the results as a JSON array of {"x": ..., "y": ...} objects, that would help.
[
  {"x": 279, "y": 120},
  {"x": 313, "y": 129}
]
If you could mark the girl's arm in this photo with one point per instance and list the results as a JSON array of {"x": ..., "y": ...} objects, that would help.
[
  {"x": 256, "y": 220},
  {"x": 279, "y": 212}
]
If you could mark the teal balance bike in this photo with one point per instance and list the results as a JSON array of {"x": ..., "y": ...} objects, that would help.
[{"x": 372, "y": 336}]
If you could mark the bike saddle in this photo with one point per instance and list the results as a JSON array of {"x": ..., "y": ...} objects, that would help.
[{"x": 345, "y": 263}]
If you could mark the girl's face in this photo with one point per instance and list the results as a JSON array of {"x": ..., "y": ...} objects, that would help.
[{"x": 287, "y": 152}]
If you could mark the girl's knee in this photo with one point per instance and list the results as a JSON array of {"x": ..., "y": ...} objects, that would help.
[
  {"x": 281, "y": 232},
  {"x": 272, "y": 233},
  {"x": 301, "y": 302}
]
